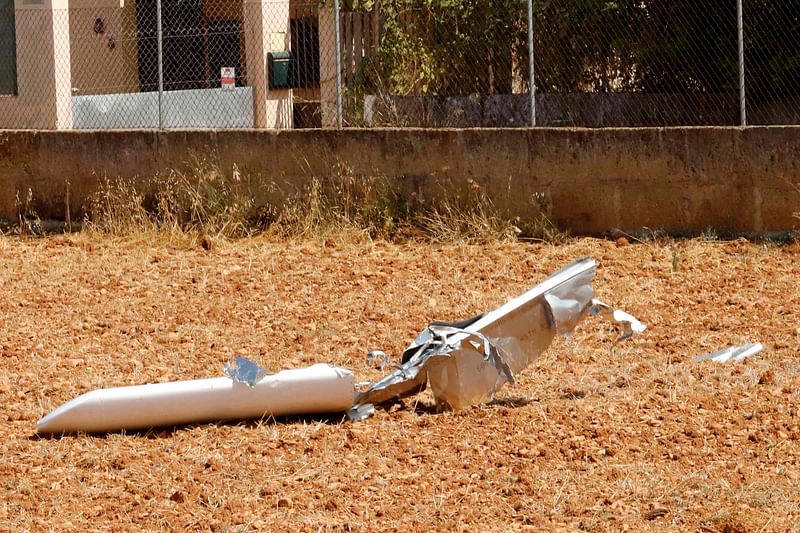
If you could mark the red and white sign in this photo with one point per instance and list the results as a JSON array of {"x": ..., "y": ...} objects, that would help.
[{"x": 227, "y": 77}]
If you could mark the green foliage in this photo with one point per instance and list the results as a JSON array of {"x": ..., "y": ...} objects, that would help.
[
  {"x": 689, "y": 46},
  {"x": 449, "y": 47},
  {"x": 586, "y": 46},
  {"x": 467, "y": 47}
]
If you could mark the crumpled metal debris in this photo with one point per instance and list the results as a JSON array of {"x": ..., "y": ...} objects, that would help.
[
  {"x": 245, "y": 371},
  {"x": 733, "y": 354},
  {"x": 466, "y": 363}
]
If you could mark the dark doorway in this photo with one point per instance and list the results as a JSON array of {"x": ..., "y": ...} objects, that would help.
[{"x": 304, "y": 28}]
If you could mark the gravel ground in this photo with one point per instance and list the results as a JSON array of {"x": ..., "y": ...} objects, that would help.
[{"x": 596, "y": 435}]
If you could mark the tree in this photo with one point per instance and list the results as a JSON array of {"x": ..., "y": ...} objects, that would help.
[
  {"x": 463, "y": 47},
  {"x": 688, "y": 46},
  {"x": 586, "y": 45},
  {"x": 449, "y": 47}
]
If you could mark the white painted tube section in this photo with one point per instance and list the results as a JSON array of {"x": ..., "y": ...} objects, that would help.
[{"x": 317, "y": 389}]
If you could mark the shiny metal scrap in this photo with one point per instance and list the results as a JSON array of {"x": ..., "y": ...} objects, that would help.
[{"x": 467, "y": 364}]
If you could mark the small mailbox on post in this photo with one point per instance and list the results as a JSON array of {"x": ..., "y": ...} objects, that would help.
[{"x": 279, "y": 65}]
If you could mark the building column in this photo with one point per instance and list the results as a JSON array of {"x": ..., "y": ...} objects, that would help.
[
  {"x": 266, "y": 29},
  {"x": 44, "y": 85}
]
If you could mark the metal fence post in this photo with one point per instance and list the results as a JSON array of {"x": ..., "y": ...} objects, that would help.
[
  {"x": 532, "y": 80},
  {"x": 159, "y": 40},
  {"x": 338, "y": 37},
  {"x": 740, "y": 27}
]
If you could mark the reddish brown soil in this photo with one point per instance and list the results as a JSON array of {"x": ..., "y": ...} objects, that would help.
[{"x": 596, "y": 435}]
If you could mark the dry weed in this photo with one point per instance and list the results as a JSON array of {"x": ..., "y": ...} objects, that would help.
[
  {"x": 206, "y": 201},
  {"x": 342, "y": 206},
  {"x": 28, "y": 221},
  {"x": 473, "y": 215}
]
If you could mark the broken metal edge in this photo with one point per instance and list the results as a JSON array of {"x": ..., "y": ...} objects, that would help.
[{"x": 558, "y": 278}]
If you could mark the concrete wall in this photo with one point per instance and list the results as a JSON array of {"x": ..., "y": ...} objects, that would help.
[{"x": 596, "y": 179}]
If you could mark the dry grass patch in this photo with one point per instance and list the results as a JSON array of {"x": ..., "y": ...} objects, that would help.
[{"x": 211, "y": 204}]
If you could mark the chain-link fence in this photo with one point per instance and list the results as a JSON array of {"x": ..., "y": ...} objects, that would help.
[
  {"x": 365, "y": 63},
  {"x": 633, "y": 63},
  {"x": 771, "y": 32}
]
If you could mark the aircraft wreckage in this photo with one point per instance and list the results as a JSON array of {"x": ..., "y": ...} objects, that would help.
[{"x": 464, "y": 363}]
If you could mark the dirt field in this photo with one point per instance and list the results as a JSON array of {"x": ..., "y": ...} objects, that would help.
[{"x": 595, "y": 436}]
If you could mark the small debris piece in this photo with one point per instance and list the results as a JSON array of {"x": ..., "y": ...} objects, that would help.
[
  {"x": 629, "y": 324},
  {"x": 378, "y": 358},
  {"x": 734, "y": 354},
  {"x": 360, "y": 412}
]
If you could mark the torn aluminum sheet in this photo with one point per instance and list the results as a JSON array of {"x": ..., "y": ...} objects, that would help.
[
  {"x": 734, "y": 354},
  {"x": 629, "y": 324},
  {"x": 245, "y": 371},
  {"x": 467, "y": 363},
  {"x": 319, "y": 388}
]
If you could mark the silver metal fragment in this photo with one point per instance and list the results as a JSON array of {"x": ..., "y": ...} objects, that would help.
[
  {"x": 360, "y": 412},
  {"x": 734, "y": 354},
  {"x": 468, "y": 365},
  {"x": 629, "y": 323},
  {"x": 245, "y": 371}
]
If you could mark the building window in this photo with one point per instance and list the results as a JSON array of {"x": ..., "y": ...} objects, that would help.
[{"x": 8, "y": 49}]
